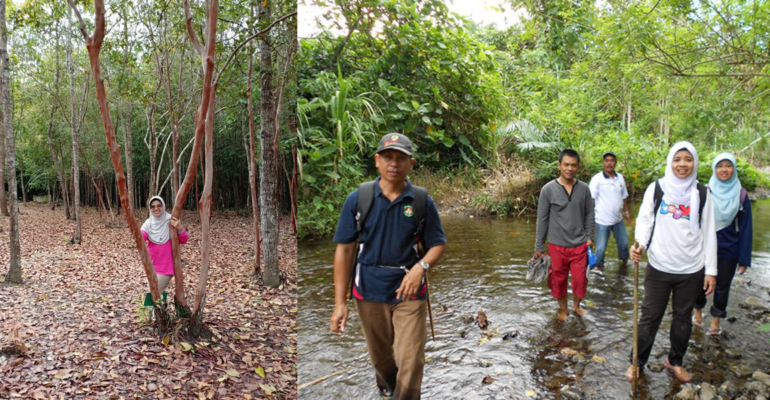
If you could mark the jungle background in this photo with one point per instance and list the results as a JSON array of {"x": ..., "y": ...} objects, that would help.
[{"x": 489, "y": 109}]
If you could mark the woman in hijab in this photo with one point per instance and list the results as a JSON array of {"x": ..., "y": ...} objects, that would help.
[
  {"x": 156, "y": 232},
  {"x": 680, "y": 245},
  {"x": 732, "y": 210}
]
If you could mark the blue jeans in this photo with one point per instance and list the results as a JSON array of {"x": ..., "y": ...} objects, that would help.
[{"x": 603, "y": 236}]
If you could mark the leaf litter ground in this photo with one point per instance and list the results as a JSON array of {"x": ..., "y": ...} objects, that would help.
[{"x": 80, "y": 316}]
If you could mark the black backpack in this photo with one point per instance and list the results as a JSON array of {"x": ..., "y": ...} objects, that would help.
[
  {"x": 365, "y": 201},
  {"x": 658, "y": 200}
]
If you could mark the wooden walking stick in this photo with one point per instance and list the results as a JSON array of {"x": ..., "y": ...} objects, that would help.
[
  {"x": 430, "y": 312},
  {"x": 421, "y": 253},
  {"x": 635, "y": 369}
]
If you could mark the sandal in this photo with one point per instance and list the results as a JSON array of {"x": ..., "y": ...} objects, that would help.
[
  {"x": 697, "y": 322},
  {"x": 715, "y": 332}
]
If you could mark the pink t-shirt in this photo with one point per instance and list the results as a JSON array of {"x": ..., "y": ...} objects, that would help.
[{"x": 161, "y": 255}]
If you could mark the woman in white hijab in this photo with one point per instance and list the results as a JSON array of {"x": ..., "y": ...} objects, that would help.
[
  {"x": 682, "y": 255},
  {"x": 155, "y": 231}
]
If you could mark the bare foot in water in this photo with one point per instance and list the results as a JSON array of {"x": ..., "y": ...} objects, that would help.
[
  {"x": 562, "y": 314},
  {"x": 580, "y": 312},
  {"x": 679, "y": 372},
  {"x": 630, "y": 373}
]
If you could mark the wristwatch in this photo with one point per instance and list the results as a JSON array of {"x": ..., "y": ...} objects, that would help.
[{"x": 424, "y": 265}]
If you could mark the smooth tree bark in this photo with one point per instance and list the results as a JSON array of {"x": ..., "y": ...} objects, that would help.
[
  {"x": 268, "y": 173},
  {"x": 127, "y": 142},
  {"x": 14, "y": 268},
  {"x": 21, "y": 175},
  {"x": 51, "y": 147},
  {"x": 204, "y": 122},
  {"x": 75, "y": 142},
  {"x": 94, "y": 46},
  {"x": 3, "y": 197},
  {"x": 253, "y": 169}
]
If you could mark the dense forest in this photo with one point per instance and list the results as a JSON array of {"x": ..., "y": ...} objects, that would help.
[
  {"x": 489, "y": 109},
  {"x": 153, "y": 82}
]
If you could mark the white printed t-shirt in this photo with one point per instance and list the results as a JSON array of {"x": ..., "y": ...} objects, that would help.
[
  {"x": 608, "y": 194},
  {"x": 674, "y": 248}
]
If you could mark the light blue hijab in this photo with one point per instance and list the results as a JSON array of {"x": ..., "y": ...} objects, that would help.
[{"x": 726, "y": 194}]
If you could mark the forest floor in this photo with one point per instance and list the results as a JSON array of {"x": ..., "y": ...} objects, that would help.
[{"x": 80, "y": 317}]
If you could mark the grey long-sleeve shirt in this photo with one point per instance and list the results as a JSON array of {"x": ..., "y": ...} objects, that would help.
[{"x": 567, "y": 220}]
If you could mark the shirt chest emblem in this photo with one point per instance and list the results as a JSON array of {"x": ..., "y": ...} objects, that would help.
[{"x": 408, "y": 211}]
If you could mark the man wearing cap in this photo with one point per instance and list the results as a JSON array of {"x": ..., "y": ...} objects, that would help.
[
  {"x": 610, "y": 194},
  {"x": 388, "y": 282}
]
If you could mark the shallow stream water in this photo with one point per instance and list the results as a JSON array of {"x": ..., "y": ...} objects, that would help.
[{"x": 484, "y": 268}]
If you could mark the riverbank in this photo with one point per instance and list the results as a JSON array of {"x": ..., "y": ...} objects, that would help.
[{"x": 514, "y": 192}]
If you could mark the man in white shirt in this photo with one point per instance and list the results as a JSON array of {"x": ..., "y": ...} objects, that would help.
[{"x": 608, "y": 189}]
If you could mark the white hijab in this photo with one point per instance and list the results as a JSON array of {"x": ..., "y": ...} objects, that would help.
[
  {"x": 157, "y": 227},
  {"x": 683, "y": 191}
]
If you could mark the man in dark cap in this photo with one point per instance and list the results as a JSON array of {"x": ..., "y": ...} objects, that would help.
[
  {"x": 610, "y": 194},
  {"x": 385, "y": 220}
]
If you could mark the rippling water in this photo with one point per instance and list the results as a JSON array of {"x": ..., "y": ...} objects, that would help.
[{"x": 484, "y": 269}]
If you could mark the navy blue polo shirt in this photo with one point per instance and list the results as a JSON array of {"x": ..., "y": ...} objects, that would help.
[{"x": 388, "y": 246}]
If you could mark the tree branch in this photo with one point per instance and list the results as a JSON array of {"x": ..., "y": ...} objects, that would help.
[
  {"x": 247, "y": 40},
  {"x": 81, "y": 24},
  {"x": 190, "y": 31}
]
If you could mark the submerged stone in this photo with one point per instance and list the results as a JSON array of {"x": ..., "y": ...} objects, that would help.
[
  {"x": 741, "y": 371},
  {"x": 688, "y": 392},
  {"x": 754, "y": 302},
  {"x": 727, "y": 390},
  {"x": 707, "y": 392},
  {"x": 571, "y": 392},
  {"x": 757, "y": 388},
  {"x": 734, "y": 354}
]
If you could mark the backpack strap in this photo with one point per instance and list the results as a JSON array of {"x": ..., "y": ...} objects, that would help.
[
  {"x": 703, "y": 193},
  {"x": 744, "y": 193},
  {"x": 365, "y": 200},
  {"x": 657, "y": 201}
]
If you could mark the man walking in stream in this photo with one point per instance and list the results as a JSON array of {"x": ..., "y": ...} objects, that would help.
[
  {"x": 385, "y": 220},
  {"x": 565, "y": 216},
  {"x": 609, "y": 191}
]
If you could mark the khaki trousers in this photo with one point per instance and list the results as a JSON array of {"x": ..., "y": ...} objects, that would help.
[{"x": 395, "y": 337}]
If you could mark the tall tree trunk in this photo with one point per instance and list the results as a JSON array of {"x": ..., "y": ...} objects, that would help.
[
  {"x": 75, "y": 142},
  {"x": 269, "y": 175},
  {"x": 23, "y": 189},
  {"x": 253, "y": 169},
  {"x": 127, "y": 141},
  {"x": 208, "y": 92},
  {"x": 293, "y": 189},
  {"x": 94, "y": 45},
  {"x": 3, "y": 197},
  {"x": 14, "y": 268},
  {"x": 100, "y": 201},
  {"x": 51, "y": 147}
]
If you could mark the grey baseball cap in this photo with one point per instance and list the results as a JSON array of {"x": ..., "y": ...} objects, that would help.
[
  {"x": 609, "y": 153},
  {"x": 395, "y": 141}
]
